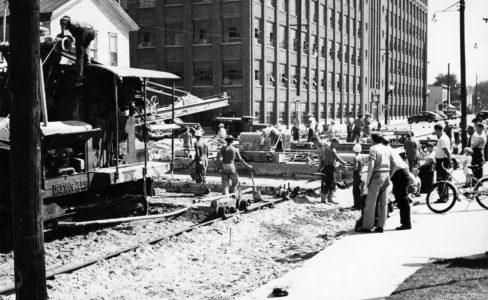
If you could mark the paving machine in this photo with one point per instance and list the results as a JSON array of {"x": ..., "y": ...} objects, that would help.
[{"x": 90, "y": 166}]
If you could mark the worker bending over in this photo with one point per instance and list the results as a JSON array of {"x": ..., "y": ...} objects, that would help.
[
  {"x": 228, "y": 154},
  {"x": 84, "y": 34}
]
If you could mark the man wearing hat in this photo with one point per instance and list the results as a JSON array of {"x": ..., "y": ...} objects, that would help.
[
  {"x": 478, "y": 142},
  {"x": 229, "y": 154},
  {"x": 222, "y": 133},
  {"x": 201, "y": 157},
  {"x": 84, "y": 34},
  {"x": 312, "y": 126}
]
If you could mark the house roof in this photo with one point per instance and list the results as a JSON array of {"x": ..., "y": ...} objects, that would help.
[{"x": 109, "y": 7}]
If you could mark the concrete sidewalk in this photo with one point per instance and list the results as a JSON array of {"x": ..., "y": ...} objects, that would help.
[{"x": 365, "y": 266}]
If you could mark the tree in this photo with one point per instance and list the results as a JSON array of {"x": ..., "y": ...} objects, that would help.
[
  {"x": 445, "y": 80},
  {"x": 451, "y": 81}
]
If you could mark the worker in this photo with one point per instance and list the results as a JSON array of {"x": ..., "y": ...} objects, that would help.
[
  {"x": 327, "y": 166},
  {"x": 349, "y": 126},
  {"x": 312, "y": 126},
  {"x": 295, "y": 131},
  {"x": 84, "y": 34},
  {"x": 201, "y": 158},
  {"x": 276, "y": 139},
  {"x": 186, "y": 137},
  {"x": 222, "y": 133},
  {"x": 228, "y": 154}
]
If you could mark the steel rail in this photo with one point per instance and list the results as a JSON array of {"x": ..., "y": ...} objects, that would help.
[{"x": 77, "y": 266}]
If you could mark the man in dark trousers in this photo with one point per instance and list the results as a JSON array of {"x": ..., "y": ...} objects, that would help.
[
  {"x": 201, "y": 158},
  {"x": 478, "y": 142},
  {"x": 401, "y": 180},
  {"x": 229, "y": 154},
  {"x": 442, "y": 159},
  {"x": 84, "y": 34}
]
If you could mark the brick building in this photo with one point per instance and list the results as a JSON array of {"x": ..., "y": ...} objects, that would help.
[{"x": 280, "y": 59}]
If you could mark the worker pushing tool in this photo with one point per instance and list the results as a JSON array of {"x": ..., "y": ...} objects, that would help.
[
  {"x": 228, "y": 154},
  {"x": 84, "y": 34}
]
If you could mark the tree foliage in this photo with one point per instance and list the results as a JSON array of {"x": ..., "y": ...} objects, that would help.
[{"x": 447, "y": 80}]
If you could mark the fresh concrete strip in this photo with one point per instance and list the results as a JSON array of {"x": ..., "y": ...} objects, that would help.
[{"x": 365, "y": 266}]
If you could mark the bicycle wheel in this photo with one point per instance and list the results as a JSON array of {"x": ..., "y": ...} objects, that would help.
[
  {"x": 441, "y": 197},
  {"x": 482, "y": 188}
]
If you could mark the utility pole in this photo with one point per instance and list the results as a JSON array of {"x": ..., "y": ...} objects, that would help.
[
  {"x": 462, "y": 9},
  {"x": 387, "y": 65},
  {"x": 25, "y": 138},
  {"x": 448, "y": 85},
  {"x": 476, "y": 98}
]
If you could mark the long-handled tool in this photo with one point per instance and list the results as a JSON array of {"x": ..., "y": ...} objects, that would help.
[{"x": 256, "y": 194}]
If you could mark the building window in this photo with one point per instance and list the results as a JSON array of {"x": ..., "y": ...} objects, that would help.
[
  {"x": 270, "y": 113},
  {"x": 258, "y": 72},
  {"x": 294, "y": 39},
  {"x": 113, "y": 49},
  {"x": 231, "y": 30},
  {"x": 282, "y": 5},
  {"x": 202, "y": 73},
  {"x": 283, "y": 44},
  {"x": 232, "y": 72},
  {"x": 176, "y": 67},
  {"x": 283, "y": 75},
  {"x": 270, "y": 75},
  {"x": 294, "y": 77},
  {"x": 146, "y": 38},
  {"x": 174, "y": 34},
  {"x": 202, "y": 32},
  {"x": 146, "y": 3},
  {"x": 271, "y": 34},
  {"x": 331, "y": 50},
  {"x": 94, "y": 48},
  {"x": 258, "y": 31},
  {"x": 305, "y": 75}
]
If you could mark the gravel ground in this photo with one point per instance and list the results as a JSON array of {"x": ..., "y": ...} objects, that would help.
[{"x": 222, "y": 261}]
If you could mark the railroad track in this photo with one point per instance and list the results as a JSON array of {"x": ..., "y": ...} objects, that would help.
[{"x": 69, "y": 268}]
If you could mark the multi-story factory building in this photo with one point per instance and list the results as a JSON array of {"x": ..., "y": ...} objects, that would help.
[{"x": 282, "y": 59}]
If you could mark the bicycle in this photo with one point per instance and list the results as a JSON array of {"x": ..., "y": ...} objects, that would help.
[{"x": 444, "y": 194}]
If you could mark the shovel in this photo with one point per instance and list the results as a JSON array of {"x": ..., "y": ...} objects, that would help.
[{"x": 256, "y": 195}]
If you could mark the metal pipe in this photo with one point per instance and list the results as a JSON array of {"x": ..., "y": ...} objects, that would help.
[
  {"x": 144, "y": 136},
  {"x": 116, "y": 96},
  {"x": 42, "y": 94},
  {"x": 172, "y": 131},
  {"x": 5, "y": 8}
]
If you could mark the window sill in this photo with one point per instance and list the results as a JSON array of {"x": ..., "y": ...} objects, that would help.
[
  {"x": 231, "y": 43},
  {"x": 145, "y": 47},
  {"x": 173, "y": 46},
  {"x": 199, "y": 45},
  {"x": 202, "y": 86},
  {"x": 232, "y": 85}
]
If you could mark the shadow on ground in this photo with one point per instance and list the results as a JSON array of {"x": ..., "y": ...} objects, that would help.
[{"x": 458, "y": 278}]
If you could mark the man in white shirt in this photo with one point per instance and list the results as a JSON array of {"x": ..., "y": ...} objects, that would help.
[
  {"x": 222, "y": 133},
  {"x": 442, "y": 159},
  {"x": 478, "y": 142}
]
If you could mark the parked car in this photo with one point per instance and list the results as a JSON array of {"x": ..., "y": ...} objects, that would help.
[
  {"x": 483, "y": 115},
  {"x": 425, "y": 116},
  {"x": 452, "y": 114},
  {"x": 441, "y": 114}
]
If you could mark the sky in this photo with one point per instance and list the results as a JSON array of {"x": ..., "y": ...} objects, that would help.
[{"x": 443, "y": 38}]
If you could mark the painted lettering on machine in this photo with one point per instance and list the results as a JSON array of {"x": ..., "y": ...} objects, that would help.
[{"x": 71, "y": 187}]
